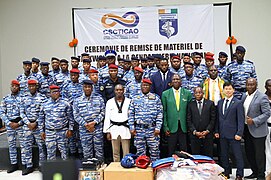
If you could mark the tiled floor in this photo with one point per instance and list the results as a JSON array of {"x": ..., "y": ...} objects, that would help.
[{"x": 38, "y": 176}]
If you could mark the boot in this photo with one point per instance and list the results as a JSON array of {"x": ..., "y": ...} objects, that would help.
[{"x": 12, "y": 168}]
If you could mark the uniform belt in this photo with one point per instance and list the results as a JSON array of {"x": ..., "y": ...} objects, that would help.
[
  {"x": 16, "y": 120},
  {"x": 57, "y": 129},
  {"x": 125, "y": 123},
  {"x": 145, "y": 126},
  {"x": 269, "y": 124}
]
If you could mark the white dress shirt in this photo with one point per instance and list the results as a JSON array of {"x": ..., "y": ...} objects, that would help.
[
  {"x": 248, "y": 101},
  {"x": 214, "y": 82},
  {"x": 111, "y": 113},
  {"x": 224, "y": 104}
]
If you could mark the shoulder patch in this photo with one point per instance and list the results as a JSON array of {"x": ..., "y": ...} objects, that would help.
[{"x": 101, "y": 88}]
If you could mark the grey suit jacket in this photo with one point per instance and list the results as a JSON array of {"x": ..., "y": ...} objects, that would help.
[{"x": 259, "y": 111}]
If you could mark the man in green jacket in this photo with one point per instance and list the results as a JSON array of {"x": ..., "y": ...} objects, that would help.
[{"x": 175, "y": 101}]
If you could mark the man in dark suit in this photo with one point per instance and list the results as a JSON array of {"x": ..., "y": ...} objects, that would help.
[
  {"x": 229, "y": 129},
  {"x": 161, "y": 79},
  {"x": 175, "y": 101},
  {"x": 257, "y": 111},
  {"x": 201, "y": 118}
]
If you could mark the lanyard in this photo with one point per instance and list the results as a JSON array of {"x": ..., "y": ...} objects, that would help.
[{"x": 119, "y": 107}]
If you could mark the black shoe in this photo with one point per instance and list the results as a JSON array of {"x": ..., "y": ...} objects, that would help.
[
  {"x": 252, "y": 176},
  {"x": 12, "y": 168},
  {"x": 39, "y": 169},
  {"x": 27, "y": 171},
  {"x": 260, "y": 178}
]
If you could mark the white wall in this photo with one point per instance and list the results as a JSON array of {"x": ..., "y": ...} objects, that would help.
[{"x": 43, "y": 29}]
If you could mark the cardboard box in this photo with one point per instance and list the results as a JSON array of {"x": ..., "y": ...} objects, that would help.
[
  {"x": 116, "y": 172},
  {"x": 92, "y": 175}
]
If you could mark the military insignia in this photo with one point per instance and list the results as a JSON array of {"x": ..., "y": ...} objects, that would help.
[
  {"x": 138, "y": 97},
  {"x": 151, "y": 96},
  {"x": 101, "y": 88},
  {"x": 168, "y": 22}
]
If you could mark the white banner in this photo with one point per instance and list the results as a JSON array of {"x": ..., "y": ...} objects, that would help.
[{"x": 145, "y": 30}]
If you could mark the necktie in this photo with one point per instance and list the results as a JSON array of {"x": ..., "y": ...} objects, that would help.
[
  {"x": 213, "y": 91},
  {"x": 177, "y": 98},
  {"x": 164, "y": 76},
  {"x": 226, "y": 106},
  {"x": 200, "y": 107}
]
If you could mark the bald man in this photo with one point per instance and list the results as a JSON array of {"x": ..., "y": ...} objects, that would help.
[{"x": 257, "y": 111}]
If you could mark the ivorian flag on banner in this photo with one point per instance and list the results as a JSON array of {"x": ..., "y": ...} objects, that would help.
[{"x": 141, "y": 31}]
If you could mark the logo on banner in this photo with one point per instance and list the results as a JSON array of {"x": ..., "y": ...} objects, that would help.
[
  {"x": 129, "y": 20},
  {"x": 168, "y": 22}
]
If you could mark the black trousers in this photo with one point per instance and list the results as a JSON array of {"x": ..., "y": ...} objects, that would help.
[
  {"x": 178, "y": 138},
  {"x": 202, "y": 146},
  {"x": 255, "y": 151}
]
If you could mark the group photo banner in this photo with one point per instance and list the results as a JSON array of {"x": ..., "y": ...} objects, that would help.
[{"x": 142, "y": 31}]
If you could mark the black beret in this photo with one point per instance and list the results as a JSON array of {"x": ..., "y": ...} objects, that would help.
[
  {"x": 101, "y": 58},
  {"x": 135, "y": 59},
  {"x": 223, "y": 54},
  {"x": 27, "y": 62},
  {"x": 35, "y": 60},
  {"x": 44, "y": 64},
  {"x": 87, "y": 81},
  {"x": 188, "y": 63},
  {"x": 54, "y": 58},
  {"x": 86, "y": 60},
  {"x": 76, "y": 58},
  {"x": 144, "y": 59},
  {"x": 240, "y": 48},
  {"x": 64, "y": 61}
]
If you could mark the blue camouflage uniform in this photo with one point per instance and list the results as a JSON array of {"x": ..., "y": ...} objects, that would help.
[
  {"x": 83, "y": 76},
  {"x": 190, "y": 83},
  {"x": 146, "y": 73},
  {"x": 71, "y": 92},
  {"x": 85, "y": 110},
  {"x": 29, "y": 110},
  {"x": 237, "y": 74},
  {"x": 23, "y": 83},
  {"x": 221, "y": 70},
  {"x": 145, "y": 116},
  {"x": 107, "y": 87},
  {"x": 55, "y": 119},
  {"x": 44, "y": 83},
  {"x": 180, "y": 71},
  {"x": 103, "y": 73},
  {"x": 129, "y": 76},
  {"x": 54, "y": 73},
  {"x": 10, "y": 112},
  {"x": 62, "y": 78},
  {"x": 201, "y": 71},
  {"x": 133, "y": 89}
]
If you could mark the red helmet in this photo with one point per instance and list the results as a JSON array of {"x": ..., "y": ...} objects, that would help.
[{"x": 143, "y": 161}]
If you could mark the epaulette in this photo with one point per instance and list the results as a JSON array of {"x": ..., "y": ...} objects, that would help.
[{"x": 249, "y": 61}]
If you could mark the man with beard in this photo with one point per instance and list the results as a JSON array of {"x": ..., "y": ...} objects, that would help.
[
  {"x": 161, "y": 79},
  {"x": 55, "y": 67},
  {"x": 75, "y": 62}
]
